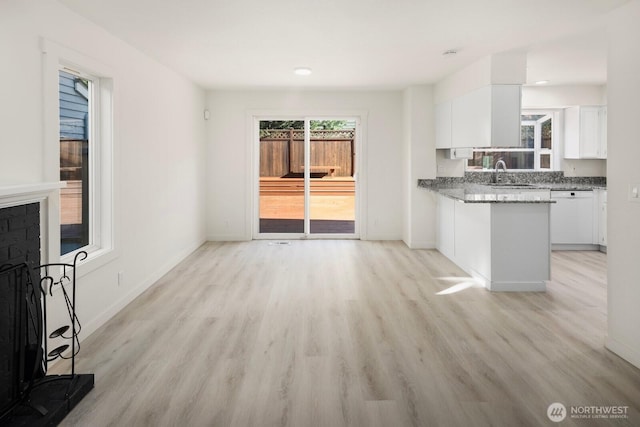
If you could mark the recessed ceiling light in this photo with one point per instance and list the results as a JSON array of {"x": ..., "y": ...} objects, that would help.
[
  {"x": 542, "y": 82},
  {"x": 302, "y": 71}
]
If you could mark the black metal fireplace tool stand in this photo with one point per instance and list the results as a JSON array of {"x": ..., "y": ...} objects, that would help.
[{"x": 45, "y": 401}]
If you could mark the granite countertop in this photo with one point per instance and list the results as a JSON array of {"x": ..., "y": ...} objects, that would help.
[
  {"x": 571, "y": 186},
  {"x": 478, "y": 193},
  {"x": 530, "y": 187}
]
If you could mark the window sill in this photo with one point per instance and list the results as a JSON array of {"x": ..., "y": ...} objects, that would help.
[{"x": 96, "y": 258}]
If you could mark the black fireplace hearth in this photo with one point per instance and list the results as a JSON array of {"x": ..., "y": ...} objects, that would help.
[{"x": 50, "y": 401}]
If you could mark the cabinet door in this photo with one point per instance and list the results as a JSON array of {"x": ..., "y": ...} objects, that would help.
[
  {"x": 561, "y": 226},
  {"x": 590, "y": 132},
  {"x": 471, "y": 119},
  {"x": 603, "y": 132},
  {"x": 572, "y": 133},
  {"x": 446, "y": 233},
  {"x": 585, "y": 132},
  {"x": 602, "y": 223},
  {"x": 505, "y": 115},
  {"x": 584, "y": 218},
  {"x": 443, "y": 125}
]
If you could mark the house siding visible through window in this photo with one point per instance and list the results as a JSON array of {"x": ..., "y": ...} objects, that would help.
[{"x": 74, "y": 107}]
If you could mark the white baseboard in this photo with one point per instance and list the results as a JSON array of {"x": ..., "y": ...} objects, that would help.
[
  {"x": 517, "y": 286},
  {"x": 227, "y": 238},
  {"x": 574, "y": 247},
  {"x": 375, "y": 236},
  {"x": 627, "y": 353},
  {"x": 114, "y": 308},
  {"x": 425, "y": 244}
]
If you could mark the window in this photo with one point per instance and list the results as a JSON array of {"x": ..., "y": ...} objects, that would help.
[
  {"x": 76, "y": 100},
  {"x": 78, "y": 150},
  {"x": 537, "y": 144},
  {"x": 85, "y": 118}
]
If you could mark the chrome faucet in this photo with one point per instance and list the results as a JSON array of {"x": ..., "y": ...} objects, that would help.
[{"x": 499, "y": 163}]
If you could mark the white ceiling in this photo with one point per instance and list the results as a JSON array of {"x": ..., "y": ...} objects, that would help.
[
  {"x": 357, "y": 43},
  {"x": 577, "y": 59}
]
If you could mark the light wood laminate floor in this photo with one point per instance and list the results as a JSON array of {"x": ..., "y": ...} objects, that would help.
[{"x": 352, "y": 333}]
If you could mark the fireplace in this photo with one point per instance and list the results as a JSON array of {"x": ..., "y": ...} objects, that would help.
[
  {"x": 21, "y": 317},
  {"x": 27, "y": 395}
]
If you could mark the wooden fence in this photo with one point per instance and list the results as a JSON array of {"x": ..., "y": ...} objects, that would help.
[
  {"x": 282, "y": 152},
  {"x": 72, "y": 153}
]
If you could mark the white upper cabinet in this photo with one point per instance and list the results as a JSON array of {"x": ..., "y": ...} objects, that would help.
[
  {"x": 486, "y": 117},
  {"x": 506, "y": 110},
  {"x": 443, "y": 125},
  {"x": 585, "y": 132},
  {"x": 471, "y": 119}
]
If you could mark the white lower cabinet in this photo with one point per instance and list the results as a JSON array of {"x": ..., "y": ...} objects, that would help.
[
  {"x": 572, "y": 219},
  {"x": 601, "y": 211},
  {"x": 473, "y": 239},
  {"x": 446, "y": 232},
  {"x": 505, "y": 246}
]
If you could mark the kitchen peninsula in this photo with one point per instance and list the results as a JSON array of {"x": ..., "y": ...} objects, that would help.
[{"x": 499, "y": 234}]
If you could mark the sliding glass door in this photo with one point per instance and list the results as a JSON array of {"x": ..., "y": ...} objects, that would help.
[
  {"x": 307, "y": 178},
  {"x": 282, "y": 197},
  {"x": 332, "y": 177}
]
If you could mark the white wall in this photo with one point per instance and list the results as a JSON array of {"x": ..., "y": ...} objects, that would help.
[
  {"x": 471, "y": 77},
  {"x": 501, "y": 68},
  {"x": 229, "y": 181},
  {"x": 448, "y": 167},
  {"x": 419, "y": 162},
  {"x": 563, "y": 96},
  {"x": 623, "y": 217},
  {"x": 159, "y": 139}
]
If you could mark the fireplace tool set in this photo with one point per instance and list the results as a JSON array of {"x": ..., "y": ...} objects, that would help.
[{"x": 36, "y": 398}]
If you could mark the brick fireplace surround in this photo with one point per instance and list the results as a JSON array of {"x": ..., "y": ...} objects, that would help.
[{"x": 29, "y": 225}]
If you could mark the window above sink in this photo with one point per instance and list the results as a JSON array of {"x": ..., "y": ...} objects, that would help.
[{"x": 539, "y": 136}]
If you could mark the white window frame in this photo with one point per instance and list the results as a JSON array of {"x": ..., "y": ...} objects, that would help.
[
  {"x": 537, "y": 138},
  {"x": 537, "y": 149},
  {"x": 102, "y": 247}
]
